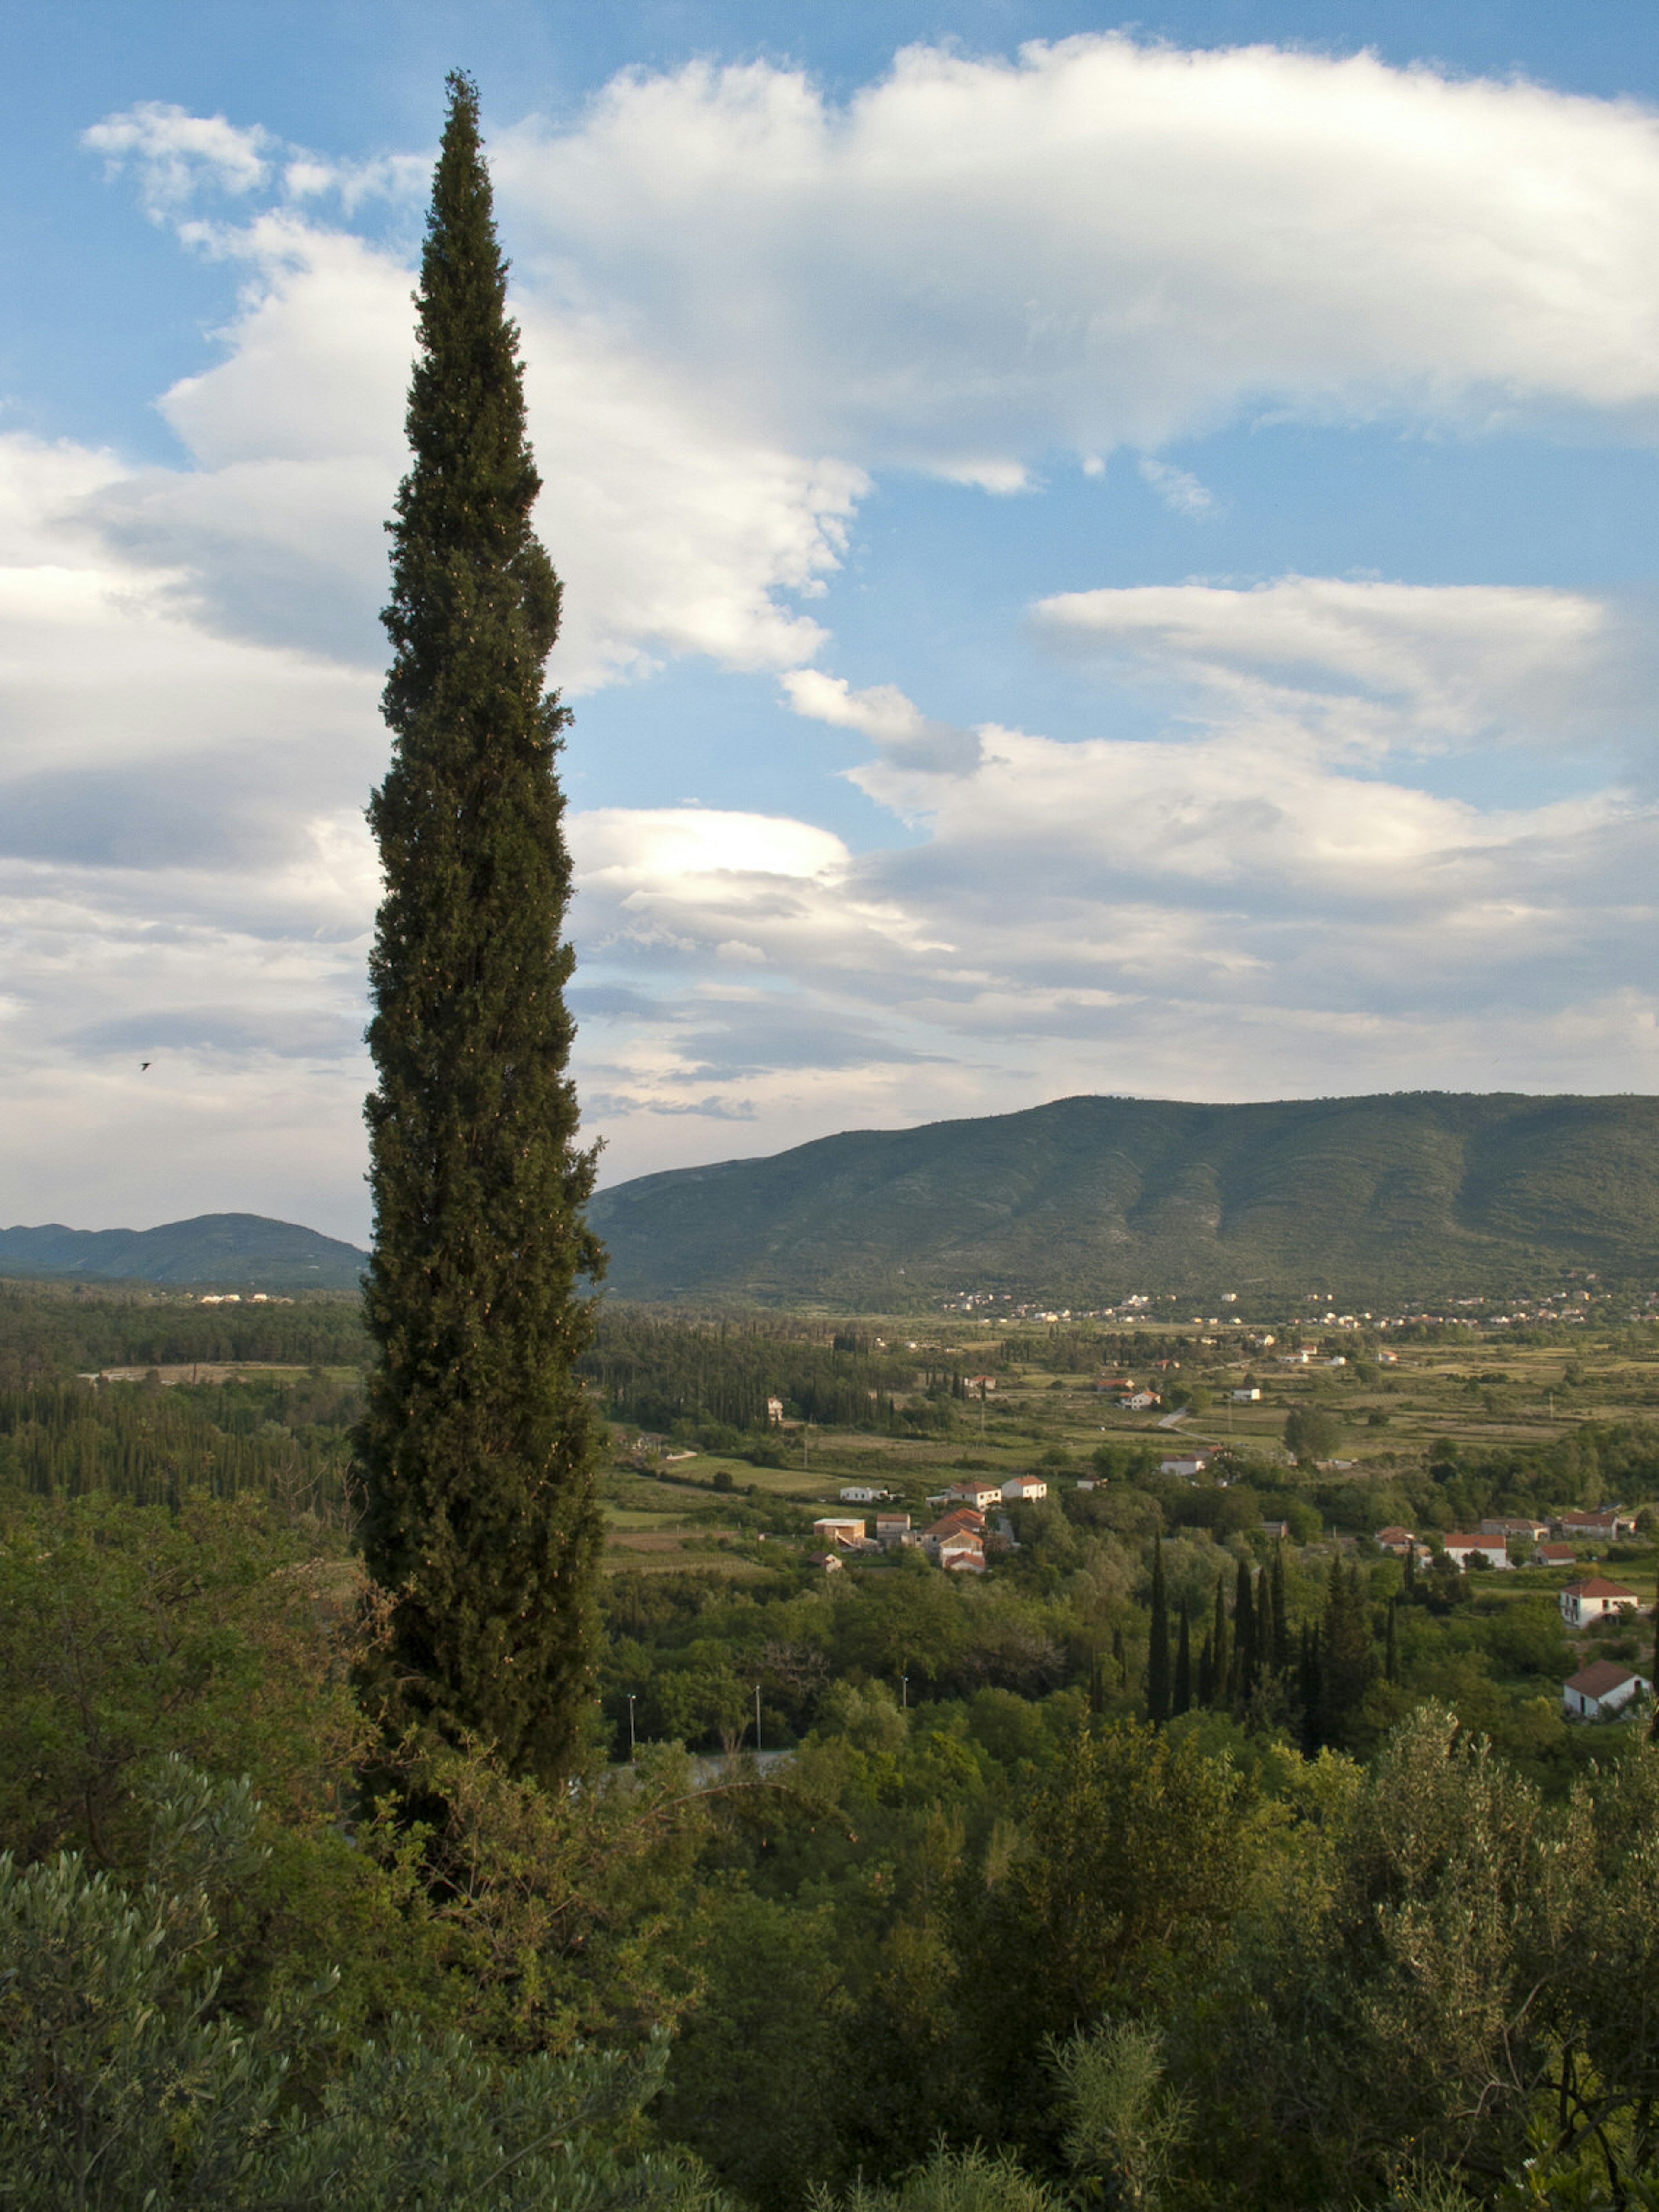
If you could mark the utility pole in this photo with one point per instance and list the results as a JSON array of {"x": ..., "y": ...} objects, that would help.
[
  {"x": 630, "y": 1727},
  {"x": 904, "y": 1693},
  {"x": 757, "y": 1734}
]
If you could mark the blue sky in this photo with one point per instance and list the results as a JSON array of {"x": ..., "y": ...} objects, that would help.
[{"x": 1103, "y": 553}]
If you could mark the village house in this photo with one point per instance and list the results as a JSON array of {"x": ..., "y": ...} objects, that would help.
[
  {"x": 1114, "y": 1385},
  {"x": 984, "y": 1384},
  {"x": 1462, "y": 1545},
  {"x": 1583, "y": 1602},
  {"x": 1554, "y": 1555},
  {"x": 826, "y": 1562},
  {"x": 1244, "y": 1397},
  {"x": 848, "y": 1535},
  {"x": 774, "y": 1411},
  {"x": 859, "y": 1493},
  {"x": 1532, "y": 1530},
  {"x": 962, "y": 1553},
  {"x": 1396, "y": 1540},
  {"x": 893, "y": 1528},
  {"x": 1277, "y": 1530},
  {"x": 1139, "y": 1402},
  {"x": 1023, "y": 1489},
  {"x": 976, "y": 1492},
  {"x": 1601, "y": 1689},
  {"x": 1187, "y": 1467},
  {"x": 1605, "y": 1526},
  {"x": 1388, "y": 1359}
]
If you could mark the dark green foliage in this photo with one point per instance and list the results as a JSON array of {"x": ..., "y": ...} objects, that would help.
[
  {"x": 1246, "y": 1659},
  {"x": 1181, "y": 1696},
  {"x": 149, "y": 1445},
  {"x": 663, "y": 1372},
  {"x": 126, "y": 1633},
  {"x": 477, "y": 1448},
  {"x": 1347, "y": 1658},
  {"x": 52, "y": 1334},
  {"x": 1278, "y": 1648},
  {"x": 1220, "y": 1648},
  {"x": 1311, "y": 1432},
  {"x": 1157, "y": 1649},
  {"x": 127, "y": 2079},
  {"x": 1068, "y": 1201}
]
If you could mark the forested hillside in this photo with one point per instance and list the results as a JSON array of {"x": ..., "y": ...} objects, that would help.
[
  {"x": 244, "y": 1250},
  {"x": 1088, "y": 1200}
]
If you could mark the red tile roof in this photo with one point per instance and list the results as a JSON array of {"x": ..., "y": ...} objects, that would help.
[
  {"x": 1604, "y": 1674},
  {"x": 1597, "y": 1586}
]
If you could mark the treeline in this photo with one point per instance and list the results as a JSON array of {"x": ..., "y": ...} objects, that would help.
[
  {"x": 147, "y": 1444},
  {"x": 664, "y": 1373},
  {"x": 50, "y": 1333}
]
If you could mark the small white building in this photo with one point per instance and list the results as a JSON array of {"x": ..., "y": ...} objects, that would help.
[
  {"x": 1023, "y": 1489},
  {"x": 1137, "y": 1401},
  {"x": 774, "y": 1411},
  {"x": 859, "y": 1493},
  {"x": 1464, "y": 1545},
  {"x": 1583, "y": 1602},
  {"x": 977, "y": 1493},
  {"x": 1192, "y": 1465},
  {"x": 1601, "y": 1689},
  {"x": 1244, "y": 1397}
]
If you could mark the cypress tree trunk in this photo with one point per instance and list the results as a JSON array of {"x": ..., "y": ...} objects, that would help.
[
  {"x": 1158, "y": 1655},
  {"x": 477, "y": 1448}
]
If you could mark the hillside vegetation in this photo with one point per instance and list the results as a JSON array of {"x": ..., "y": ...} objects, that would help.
[
  {"x": 246, "y": 1250},
  {"x": 1088, "y": 1200}
]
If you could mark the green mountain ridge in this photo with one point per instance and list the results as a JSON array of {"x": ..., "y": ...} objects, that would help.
[
  {"x": 1089, "y": 1199},
  {"x": 237, "y": 1251}
]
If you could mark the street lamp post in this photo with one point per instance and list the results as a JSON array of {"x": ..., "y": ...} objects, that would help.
[{"x": 631, "y": 1726}]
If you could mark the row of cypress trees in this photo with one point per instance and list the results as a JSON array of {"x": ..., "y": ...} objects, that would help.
[{"x": 1325, "y": 1672}]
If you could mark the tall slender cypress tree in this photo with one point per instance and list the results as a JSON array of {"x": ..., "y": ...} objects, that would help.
[
  {"x": 1220, "y": 1675},
  {"x": 1244, "y": 1638},
  {"x": 1157, "y": 1653},
  {"x": 477, "y": 1448},
  {"x": 1180, "y": 1697},
  {"x": 1278, "y": 1618}
]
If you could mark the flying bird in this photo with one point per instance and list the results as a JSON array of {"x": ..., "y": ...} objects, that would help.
[{"x": 143, "y": 1064}]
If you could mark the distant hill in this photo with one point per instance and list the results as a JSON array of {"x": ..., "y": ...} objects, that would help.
[
  {"x": 1089, "y": 1200},
  {"x": 237, "y": 1251}
]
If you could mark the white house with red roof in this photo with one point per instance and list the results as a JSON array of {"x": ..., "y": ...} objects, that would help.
[
  {"x": 1023, "y": 1489},
  {"x": 977, "y": 1493},
  {"x": 1583, "y": 1602},
  {"x": 1601, "y": 1689}
]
